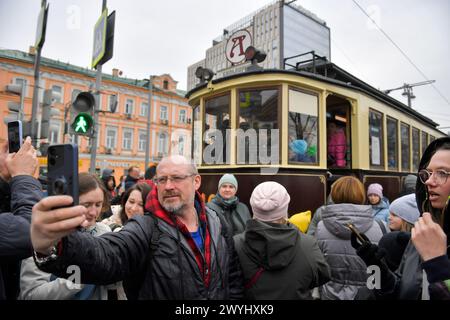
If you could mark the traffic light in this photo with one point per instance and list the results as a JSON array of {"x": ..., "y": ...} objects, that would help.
[
  {"x": 84, "y": 107},
  {"x": 48, "y": 111},
  {"x": 15, "y": 108}
]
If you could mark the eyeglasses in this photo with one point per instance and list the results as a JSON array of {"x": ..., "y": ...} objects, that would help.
[
  {"x": 440, "y": 176},
  {"x": 175, "y": 179}
]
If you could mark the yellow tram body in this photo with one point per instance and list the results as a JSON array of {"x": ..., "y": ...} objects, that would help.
[{"x": 384, "y": 138}]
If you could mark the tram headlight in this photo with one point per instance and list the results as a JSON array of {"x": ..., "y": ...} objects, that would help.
[
  {"x": 204, "y": 74},
  {"x": 254, "y": 55}
]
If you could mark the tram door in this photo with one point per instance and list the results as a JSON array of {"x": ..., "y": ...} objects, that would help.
[{"x": 338, "y": 133}]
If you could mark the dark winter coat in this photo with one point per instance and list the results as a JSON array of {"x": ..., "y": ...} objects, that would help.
[
  {"x": 409, "y": 282},
  {"x": 279, "y": 262},
  {"x": 15, "y": 243},
  {"x": 162, "y": 268}
]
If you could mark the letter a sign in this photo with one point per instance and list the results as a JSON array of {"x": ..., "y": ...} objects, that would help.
[{"x": 236, "y": 46}]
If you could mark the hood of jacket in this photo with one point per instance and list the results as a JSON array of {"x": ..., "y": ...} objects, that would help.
[
  {"x": 421, "y": 190},
  {"x": 335, "y": 218},
  {"x": 271, "y": 245}
]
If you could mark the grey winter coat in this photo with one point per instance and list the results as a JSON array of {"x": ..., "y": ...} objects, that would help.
[
  {"x": 348, "y": 270},
  {"x": 236, "y": 215},
  {"x": 290, "y": 263},
  {"x": 15, "y": 243},
  {"x": 163, "y": 268}
]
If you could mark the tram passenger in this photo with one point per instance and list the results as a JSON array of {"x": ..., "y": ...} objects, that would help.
[
  {"x": 278, "y": 261},
  {"x": 227, "y": 203},
  {"x": 428, "y": 252},
  {"x": 337, "y": 145},
  {"x": 348, "y": 271},
  {"x": 379, "y": 203}
]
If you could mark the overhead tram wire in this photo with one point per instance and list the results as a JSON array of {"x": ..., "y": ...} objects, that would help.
[{"x": 401, "y": 51}]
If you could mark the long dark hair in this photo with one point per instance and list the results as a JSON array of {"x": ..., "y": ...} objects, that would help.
[
  {"x": 88, "y": 182},
  {"x": 143, "y": 188},
  {"x": 424, "y": 205}
]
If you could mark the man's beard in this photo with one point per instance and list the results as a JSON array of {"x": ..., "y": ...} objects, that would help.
[{"x": 175, "y": 209}]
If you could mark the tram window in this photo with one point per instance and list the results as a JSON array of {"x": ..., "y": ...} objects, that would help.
[
  {"x": 392, "y": 143},
  {"x": 415, "y": 149},
  {"x": 424, "y": 141},
  {"x": 376, "y": 138},
  {"x": 432, "y": 138},
  {"x": 303, "y": 112},
  {"x": 197, "y": 134},
  {"x": 217, "y": 137},
  {"x": 404, "y": 134},
  {"x": 258, "y": 137}
]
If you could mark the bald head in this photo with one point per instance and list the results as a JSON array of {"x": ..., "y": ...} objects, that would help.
[{"x": 178, "y": 161}]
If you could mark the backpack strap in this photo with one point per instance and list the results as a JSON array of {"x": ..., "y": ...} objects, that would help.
[
  {"x": 254, "y": 278},
  {"x": 382, "y": 226}
]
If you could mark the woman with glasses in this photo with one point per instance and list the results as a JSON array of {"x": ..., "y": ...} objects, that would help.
[{"x": 424, "y": 272}]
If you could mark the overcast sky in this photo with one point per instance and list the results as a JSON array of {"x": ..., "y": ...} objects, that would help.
[{"x": 156, "y": 37}]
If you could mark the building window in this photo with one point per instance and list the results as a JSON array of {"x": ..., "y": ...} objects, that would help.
[
  {"x": 111, "y": 137},
  {"x": 142, "y": 140},
  {"x": 162, "y": 144},
  {"x": 303, "y": 111},
  {"x": 57, "y": 93},
  {"x": 113, "y": 100},
  {"x": 181, "y": 145},
  {"x": 392, "y": 143},
  {"x": 166, "y": 85},
  {"x": 182, "y": 116},
  {"x": 144, "y": 109},
  {"x": 129, "y": 106},
  {"x": 54, "y": 133},
  {"x": 127, "y": 139},
  {"x": 405, "y": 146},
  {"x": 376, "y": 138},
  {"x": 163, "y": 113}
]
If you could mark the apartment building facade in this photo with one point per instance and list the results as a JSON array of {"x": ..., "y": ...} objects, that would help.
[{"x": 122, "y": 136}]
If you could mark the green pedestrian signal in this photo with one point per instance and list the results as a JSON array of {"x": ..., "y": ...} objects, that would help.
[{"x": 82, "y": 124}]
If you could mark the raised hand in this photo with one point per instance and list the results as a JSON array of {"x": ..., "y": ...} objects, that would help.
[{"x": 49, "y": 225}]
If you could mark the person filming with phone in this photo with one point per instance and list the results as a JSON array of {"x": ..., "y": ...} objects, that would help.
[{"x": 19, "y": 192}]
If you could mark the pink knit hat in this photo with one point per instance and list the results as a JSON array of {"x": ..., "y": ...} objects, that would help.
[
  {"x": 375, "y": 188},
  {"x": 270, "y": 201}
]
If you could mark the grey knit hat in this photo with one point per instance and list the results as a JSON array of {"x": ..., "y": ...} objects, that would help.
[
  {"x": 406, "y": 208},
  {"x": 228, "y": 178}
]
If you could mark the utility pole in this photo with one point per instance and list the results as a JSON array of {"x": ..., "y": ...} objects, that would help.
[
  {"x": 149, "y": 118},
  {"x": 408, "y": 91},
  {"x": 98, "y": 82},
  {"x": 40, "y": 39}
]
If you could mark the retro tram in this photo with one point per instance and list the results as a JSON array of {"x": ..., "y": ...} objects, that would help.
[{"x": 304, "y": 128}]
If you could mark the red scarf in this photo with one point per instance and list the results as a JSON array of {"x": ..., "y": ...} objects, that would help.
[{"x": 152, "y": 204}]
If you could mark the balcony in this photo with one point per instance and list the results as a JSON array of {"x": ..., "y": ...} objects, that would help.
[{"x": 164, "y": 121}]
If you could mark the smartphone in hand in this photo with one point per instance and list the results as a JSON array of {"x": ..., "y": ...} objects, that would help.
[
  {"x": 15, "y": 139},
  {"x": 62, "y": 165}
]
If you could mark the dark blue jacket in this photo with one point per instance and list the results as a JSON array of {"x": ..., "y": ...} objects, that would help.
[{"x": 15, "y": 243}]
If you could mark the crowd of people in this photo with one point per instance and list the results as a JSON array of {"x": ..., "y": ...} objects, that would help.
[{"x": 153, "y": 236}]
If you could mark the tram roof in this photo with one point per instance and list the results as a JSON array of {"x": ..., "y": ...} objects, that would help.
[{"x": 339, "y": 77}]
